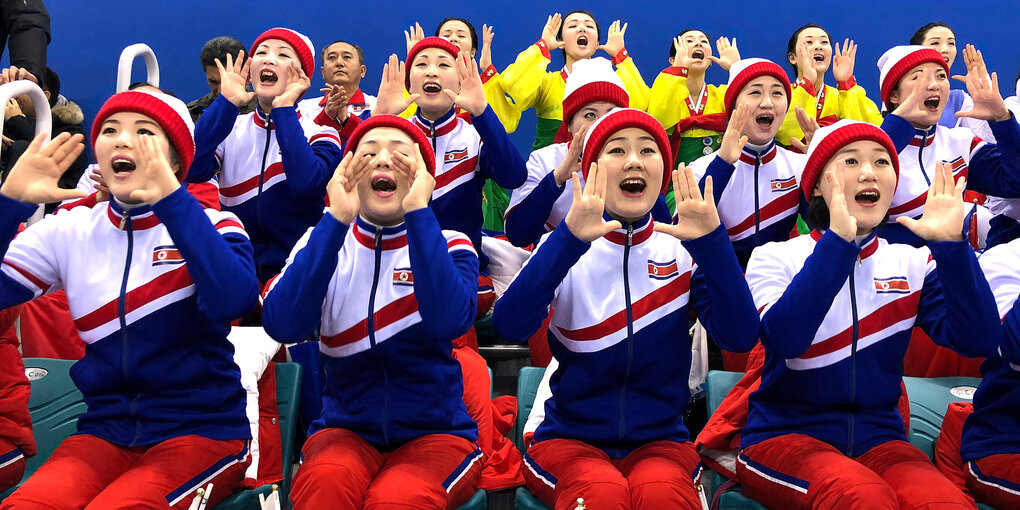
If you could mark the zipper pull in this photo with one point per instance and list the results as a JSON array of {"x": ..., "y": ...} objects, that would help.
[
  {"x": 860, "y": 262},
  {"x": 630, "y": 234},
  {"x": 124, "y": 220},
  {"x": 378, "y": 237}
]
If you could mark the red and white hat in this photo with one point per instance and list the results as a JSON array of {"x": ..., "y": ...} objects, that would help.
[
  {"x": 827, "y": 141},
  {"x": 402, "y": 124},
  {"x": 302, "y": 46},
  {"x": 428, "y": 42},
  {"x": 894, "y": 64},
  {"x": 591, "y": 80},
  {"x": 744, "y": 71},
  {"x": 169, "y": 112},
  {"x": 623, "y": 118}
]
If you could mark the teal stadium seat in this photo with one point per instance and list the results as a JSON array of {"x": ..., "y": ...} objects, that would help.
[
  {"x": 527, "y": 385},
  {"x": 929, "y": 399},
  {"x": 56, "y": 403}
]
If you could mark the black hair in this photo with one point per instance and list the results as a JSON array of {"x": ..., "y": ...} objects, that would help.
[
  {"x": 50, "y": 82},
  {"x": 791, "y": 46},
  {"x": 219, "y": 48},
  {"x": 918, "y": 37},
  {"x": 361, "y": 53},
  {"x": 140, "y": 84},
  {"x": 471, "y": 29},
  {"x": 672, "y": 47},
  {"x": 598, "y": 29}
]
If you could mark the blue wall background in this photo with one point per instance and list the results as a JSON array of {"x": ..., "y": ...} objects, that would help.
[{"x": 88, "y": 36}]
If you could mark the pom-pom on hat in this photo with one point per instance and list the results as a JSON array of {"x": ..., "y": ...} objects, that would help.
[
  {"x": 828, "y": 141},
  {"x": 393, "y": 121},
  {"x": 744, "y": 71},
  {"x": 895, "y": 63},
  {"x": 424, "y": 44},
  {"x": 302, "y": 46},
  {"x": 169, "y": 112},
  {"x": 622, "y": 118},
  {"x": 591, "y": 80}
]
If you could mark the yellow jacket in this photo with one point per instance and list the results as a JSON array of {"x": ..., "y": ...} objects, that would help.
[
  {"x": 668, "y": 101},
  {"x": 528, "y": 85},
  {"x": 845, "y": 101}
]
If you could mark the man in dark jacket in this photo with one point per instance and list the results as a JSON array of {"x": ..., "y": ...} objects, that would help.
[
  {"x": 217, "y": 48},
  {"x": 25, "y": 32}
]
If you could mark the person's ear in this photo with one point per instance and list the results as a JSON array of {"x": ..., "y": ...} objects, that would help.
[
  {"x": 47, "y": 94},
  {"x": 792, "y": 58},
  {"x": 363, "y": 70},
  {"x": 671, "y": 60}
]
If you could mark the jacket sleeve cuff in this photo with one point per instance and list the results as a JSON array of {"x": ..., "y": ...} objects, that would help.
[
  {"x": 676, "y": 71},
  {"x": 846, "y": 85},
  {"x": 489, "y": 73},
  {"x": 544, "y": 48},
  {"x": 620, "y": 56}
]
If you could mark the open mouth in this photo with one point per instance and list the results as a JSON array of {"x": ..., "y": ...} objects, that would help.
[
  {"x": 633, "y": 186},
  {"x": 932, "y": 103},
  {"x": 868, "y": 197},
  {"x": 765, "y": 120},
  {"x": 431, "y": 88},
  {"x": 698, "y": 55},
  {"x": 582, "y": 41},
  {"x": 268, "y": 77},
  {"x": 819, "y": 57},
  {"x": 122, "y": 165},
  {"x": 383, "y": 185},
  {"x": 946, "y": 58}
]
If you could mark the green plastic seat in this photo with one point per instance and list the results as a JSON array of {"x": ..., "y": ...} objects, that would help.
[
  {"x": 288, "y": 398},
  {"x": 717, "y": 385},
  {"x": 55, "y": 404},
  {"x": 929, "y": 399},
  {"x": 527, "y": 386}
]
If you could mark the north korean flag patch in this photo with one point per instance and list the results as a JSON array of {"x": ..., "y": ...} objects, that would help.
[
  {"x": 662, "y": 270},
  {"x": 403, "y": 277},
  {"x": 893, "y": 285},
  {"x": 162, "y": 255},
  {"x": 783, "y": 184},
  {"x": 455, "y": 156}
]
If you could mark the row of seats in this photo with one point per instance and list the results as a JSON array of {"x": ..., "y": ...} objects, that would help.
[{"x": 55, "y": 405}]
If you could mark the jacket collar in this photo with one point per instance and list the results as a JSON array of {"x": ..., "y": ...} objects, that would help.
[
  {"x": 749, "y": 154},
  {"x": 391, "y": 238},
  {"x": 642, "y": 231},
  {"x": 142, "y": 217},
  {"x": 868, "y": 245}
]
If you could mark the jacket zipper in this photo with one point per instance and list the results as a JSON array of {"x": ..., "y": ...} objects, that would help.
[
  {"x": 384, "y": 417},
  {"x": 432, "y": 134},
  {"x": 262, "y": 168},
  {"x": 920, "y": 161},
  {"x": 630, "y": 331},
  {"x": 853, "y": 362},
  {"x": 757, "y": 208},
  {"x": 126, "y": 225}
]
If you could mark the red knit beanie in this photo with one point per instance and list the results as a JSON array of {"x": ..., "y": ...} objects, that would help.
[
  {"x": 301, "y": 44},
  {"x": 393, "y": 121},
  {"x": 169, "y": 112},
  {"x": 591, "y": 80},
  {"x": 623, "y": 118},
  {"x": 828, "y": 140},
  {"x": 894, "y": 64},
  {"x": 744, "y": 71},
  {"x": 428, "y": 42}
]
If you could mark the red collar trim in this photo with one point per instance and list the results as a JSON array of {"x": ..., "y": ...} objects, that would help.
[
  {"x": 366, "y": 237},
  {"x": 640, "y": 235},
  {"x": 748, "y": 158},
  {"x": 443, "y": 127},
  {"x": 143, "y": 221},
  {"x": 869, "y": 248},
  {"x": 916, "y": 142}
]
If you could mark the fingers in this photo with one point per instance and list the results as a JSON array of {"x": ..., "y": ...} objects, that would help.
[
  {"x": 709, "y": 195},
  {"x": 681, "y": 187},
  {"x": 240, "y": 63},
  {"x": 601, "y": 182},
  {"x": 245, "y": 69},
  {"x": 908, "y": 222},
  {"x": 799, "y": 145},
  {"x": 577, "y": 186},
  {"x": 590, "y": 182},
  {"x": 220, "y": 68},
  {"x": 450, "y": 94},
  {"x": 610, "y": 226},
  {"x": 939, "y": 184},
  {"x": 36, "y": 145},
  {"x": 230, "y": 62},
  {"x": 68, "y": 151}
]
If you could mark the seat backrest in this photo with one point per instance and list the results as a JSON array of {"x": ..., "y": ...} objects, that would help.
[
  {"x": 55, "y": 405},
  {"x": 929, "y": 399},
  {"x": 717, "y": 385},
  {"x": 527, "y": 386},
  {"x": 288, "y": 398}
]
